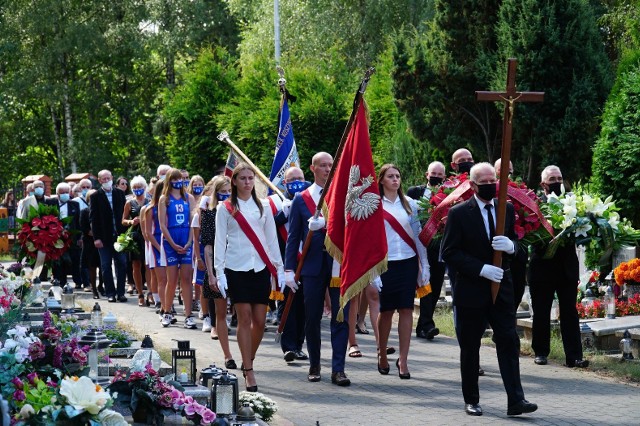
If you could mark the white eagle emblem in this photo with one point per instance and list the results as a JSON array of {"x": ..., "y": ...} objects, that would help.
[{"x": 359, "y": 204}]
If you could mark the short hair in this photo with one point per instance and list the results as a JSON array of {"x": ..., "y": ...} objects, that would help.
[
  {"x": 86, "y": 181},
  {"x": 63, "y": 185},
  {"x": 29, "y": 187},
  {"x": 477, "y": 168},
  {"x": 317, "y": 155},
  {"x": 137, "y": 181},
  {"x": 103, "y": 172},
  {"x": 545, "y": 172},
  {"x": 36, "y": 182},
  {"x": 162, "y": 168},
  {"x": 436, "y": 163}
]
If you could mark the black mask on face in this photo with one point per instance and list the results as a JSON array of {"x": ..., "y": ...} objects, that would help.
[
  {"x": 465, "y": 167},
  {"x": 487, "y": 191},
  {"x": 555, "y": 187},
  {"x": 435, "y": 180}
]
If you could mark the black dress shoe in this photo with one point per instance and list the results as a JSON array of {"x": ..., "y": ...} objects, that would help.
[
  {"x": 289, "y": 356},
  {"x": 122, "y": 299},
  {"x": 540, "y": 360},
  {"x": 578, "y": 363},
  {"x": 421, "y": 334},
  {"x": 340, "y": 379},
  {"x": 301, "y": 356},
  {"x": 521, "y": 407},
  {"x": 314, "y": 373},
  {"x": 432, "y": 333},
  {"x": 112, "y": 299},
  {"x": 473, "y": 409}
]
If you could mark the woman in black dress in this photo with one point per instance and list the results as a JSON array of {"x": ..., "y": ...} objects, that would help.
[
  {"x": 406, "y": 256},
  {"x": 131, "y": 217}
]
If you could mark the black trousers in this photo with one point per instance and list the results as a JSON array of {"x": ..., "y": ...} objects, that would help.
[
  {"x": 429, "y": 302},
  {"x": 541, "y": 300},
  {"x": 470, "y": 326}
]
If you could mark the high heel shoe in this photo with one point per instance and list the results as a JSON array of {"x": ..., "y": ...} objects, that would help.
[
  {"x": 383, "y": 371},
  {"x": 404, "y": 376},
  {"x": 253, "y": 388}
]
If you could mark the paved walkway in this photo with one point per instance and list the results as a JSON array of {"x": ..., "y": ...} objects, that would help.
[{"x": 432, "y": 396}]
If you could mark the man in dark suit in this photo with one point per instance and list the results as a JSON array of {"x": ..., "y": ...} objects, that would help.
[
  {"x": 426, "y": 327},
  {"x": 107, "y": 205},
  {"x": 558, "y": 274},
  {"x": 316, "y": 274},
  {"x": 71, "y": 259},
  {"x": 468, "y": 244}
]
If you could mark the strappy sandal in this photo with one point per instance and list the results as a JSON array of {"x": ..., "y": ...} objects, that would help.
[
  {"x": 150, "y": 300},
  {"x": 253, "y": 388},
  {"x": 354, "y": 352},
  {"x": 141, "y": 301}
]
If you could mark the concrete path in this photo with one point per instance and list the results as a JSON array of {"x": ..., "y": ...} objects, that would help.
[{"x": 432, "y": 396}]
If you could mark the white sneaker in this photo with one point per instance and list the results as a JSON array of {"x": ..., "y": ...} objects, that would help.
[
  {"x": 206, "y": 324},
  {"x": 190, "y": 323},
  {"x": 200, "y": 314},
  {"x": 167, "y": 320}
]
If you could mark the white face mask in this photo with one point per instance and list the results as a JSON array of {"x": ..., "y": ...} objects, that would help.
[{"x": 107, "y": 185}]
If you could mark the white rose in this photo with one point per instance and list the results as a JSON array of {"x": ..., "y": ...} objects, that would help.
[
  {"x": 111, "y": 418},
  {"x": 27, "y": 411}
]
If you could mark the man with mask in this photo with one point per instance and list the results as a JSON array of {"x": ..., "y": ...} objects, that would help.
[
  {"x": 84, "y": 185},
  {"x": 20, "y": 209},
  {"x": 468, "y": 244},
  {"x": 558, "y": 274},
  {"x": 71, "y": 259},
  {"x": 106, "y": 207},
  {"x": 293, "y": 332},
  {"x": 33, "y": 200},
  {"x": 426, "y": 327},
  {"x": 462, "y": 161}
]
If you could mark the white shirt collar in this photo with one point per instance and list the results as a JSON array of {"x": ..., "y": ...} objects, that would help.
[{"x": 481, "y": 202}]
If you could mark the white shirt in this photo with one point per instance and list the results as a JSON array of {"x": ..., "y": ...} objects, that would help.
[
  {"x": 81, "y": 203},
  {"x": 398, "y": 248},
  {"x": 314, "y": 190},
  {"x": 64, "y": 211},
  {"x": 485, "y": 215},
  {"x": 234, "y": 250}
]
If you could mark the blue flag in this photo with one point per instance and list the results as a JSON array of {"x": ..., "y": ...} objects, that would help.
[{"x": 286, "y": 152}]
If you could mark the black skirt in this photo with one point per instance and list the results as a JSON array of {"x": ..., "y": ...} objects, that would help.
[
  {"x": 248, "y": 286},
  {"x": 399, "y": 284}
]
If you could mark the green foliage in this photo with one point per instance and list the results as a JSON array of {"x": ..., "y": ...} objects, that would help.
[
  {"x": 192, "y": 111},
  {"x": 616, "y": 155},
  {"x": 560, "y": 52}
]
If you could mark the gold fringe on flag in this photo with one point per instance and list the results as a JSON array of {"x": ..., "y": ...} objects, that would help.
[
  {"x": 335, "y": 282},
  {"x": 360, "y": 285},
  {"x": 276, "y": 295}
]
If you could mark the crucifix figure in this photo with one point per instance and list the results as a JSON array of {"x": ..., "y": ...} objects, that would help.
[{"x": 509, "y": 97}]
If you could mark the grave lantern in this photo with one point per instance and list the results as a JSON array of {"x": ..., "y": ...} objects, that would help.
[
  {"x": 96, "y": 340},
  {"x": 625, "y": 346},
  {"x": 146, "y": 355},
  {"x": 68, "y": 299},
  {"x": 245, "y": 416},
  {"x": 96, "y": 316},
  {"x": 224, "y": 394},
  {"x": 183, "y": 363},
  {"x": 610, "y": 303}
]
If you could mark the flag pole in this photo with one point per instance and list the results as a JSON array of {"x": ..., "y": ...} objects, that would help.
[
  {"x": 307, "y": 242},
  {"x": 224, "y": 137}
]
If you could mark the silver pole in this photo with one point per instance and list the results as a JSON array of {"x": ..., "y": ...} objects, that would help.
[{"x": 276, "y": 29}]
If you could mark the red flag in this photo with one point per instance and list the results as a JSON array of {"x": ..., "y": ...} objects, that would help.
[
  {"x": 355, "y": 223},
  {"x": 232, "y": 162}
]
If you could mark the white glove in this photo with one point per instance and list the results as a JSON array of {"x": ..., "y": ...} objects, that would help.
[
  {"x": 316, "y": 224},
  {"x": 281, "y": 280},
  {"x": 502, "y": 243},
  {"x": 222, "y": 285},
  {"x": 290, "y": 281},
  {"x": 425, "y": 275},
  {"x": 286, "y": 207},
  {"x": 377, "y": 284},
  {"x": 492, "y": 273}
]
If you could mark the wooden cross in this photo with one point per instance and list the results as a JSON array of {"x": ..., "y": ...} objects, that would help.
[{"x": 509, "y": 97}]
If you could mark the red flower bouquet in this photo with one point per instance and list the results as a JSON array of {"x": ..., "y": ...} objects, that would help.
[{"x": 44, "y": 232}]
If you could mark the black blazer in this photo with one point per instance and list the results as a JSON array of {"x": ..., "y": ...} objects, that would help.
[
  {"x": 73, "y": 211},
  {"x": 416, "y": 192},
  {"x": 102, "y": 216},
  {"x": 466, "y": 247}
]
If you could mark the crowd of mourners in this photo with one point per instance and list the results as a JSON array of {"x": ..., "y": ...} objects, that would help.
[{"x": 223, "y": 252}]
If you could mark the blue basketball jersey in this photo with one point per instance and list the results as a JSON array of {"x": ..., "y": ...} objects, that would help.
[
  {"x": 177, "y": 213},
  {"x": 156, "y": 223}
]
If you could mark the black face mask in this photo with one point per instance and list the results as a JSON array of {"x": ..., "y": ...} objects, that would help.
[
  {"x": 465, "y": 167},
  {"x": 555, "y": 187},
  {"x": 435, "y": 180},
  {"x": 487, "y": 191}
]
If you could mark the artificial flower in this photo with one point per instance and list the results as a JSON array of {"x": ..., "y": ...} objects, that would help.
[
  {"x": 111, "y": 418},
  {"x": 83, "y": 394}
]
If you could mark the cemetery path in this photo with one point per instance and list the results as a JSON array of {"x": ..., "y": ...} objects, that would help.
[{"x": 432, "y": 396}]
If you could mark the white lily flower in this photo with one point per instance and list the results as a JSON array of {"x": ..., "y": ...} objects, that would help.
[{"x": 83, "y": 394}]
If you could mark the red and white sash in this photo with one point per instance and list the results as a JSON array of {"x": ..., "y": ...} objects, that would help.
[
  {"x": 395, "y": 225},
  {"x": 282, "y": 230}
]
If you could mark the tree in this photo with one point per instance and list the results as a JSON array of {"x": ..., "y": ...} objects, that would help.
[
  {"x": 616, "y": 155},
  {"x": 560, "y": 52},
  {"x": 437, "y": 72}
]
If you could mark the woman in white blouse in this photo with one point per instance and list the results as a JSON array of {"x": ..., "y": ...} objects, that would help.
[
  {"x": 408, "y": 266},
  {"x": 239, "y": 262}
]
